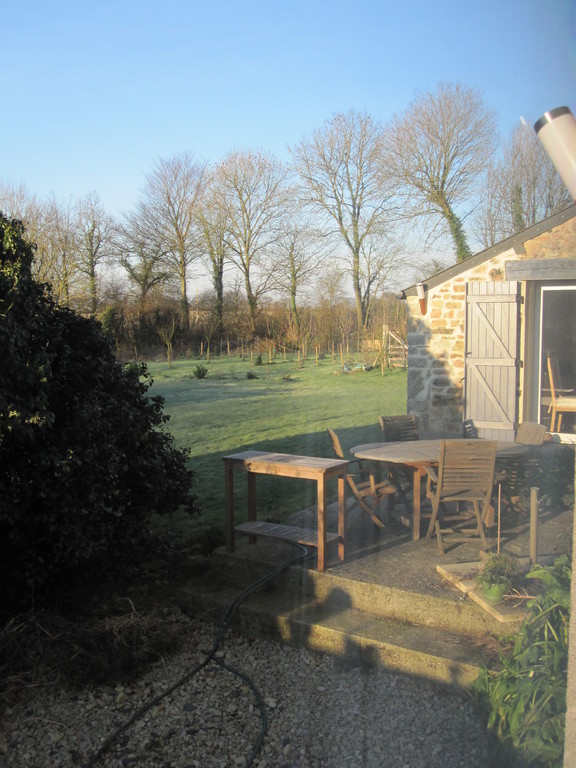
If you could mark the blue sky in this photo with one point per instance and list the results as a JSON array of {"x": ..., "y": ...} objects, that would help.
[{"x": 93, "y": 93}]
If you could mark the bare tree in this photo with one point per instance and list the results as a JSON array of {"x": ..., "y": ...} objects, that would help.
[
  {"x": 437, "y": 152},
  {"x": 212, "y": 226},
  {"x": 96, "y": 230},
  {"x": 523, "y": 188},
  {"x": 168, "y": 206},
  {"x": 166, "y": 327},
  {"x": 141, "y": 258},
  {"x": 250, "y": 194},
  {"x": 61, "y": 234},
  {"x": 341, "y": 170},
  {"x": 15, "y": 202},
  {"x": 334, "y": 311},
  {"x": 299, "y": 254}
]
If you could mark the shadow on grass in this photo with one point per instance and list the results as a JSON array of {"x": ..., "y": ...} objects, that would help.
[{"x": 277, "y": 497}]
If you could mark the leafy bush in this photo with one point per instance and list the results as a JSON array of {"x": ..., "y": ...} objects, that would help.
[
  {"x": 525, "y": 701},
  {"x": 200, "y": 372},
  {"x": 85, "y": 459}
]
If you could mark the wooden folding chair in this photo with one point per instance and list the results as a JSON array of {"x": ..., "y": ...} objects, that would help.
[
  {"x": 465, "y": 474},
  {"x": 367, "y": 492},
  {"x": 399, "y": 428},
  {"x": 560, "y": 403},
  {"x": 530, "y": 433},
  {"x": 469, "y": 429},
  {"x": 516, "y": 472}
]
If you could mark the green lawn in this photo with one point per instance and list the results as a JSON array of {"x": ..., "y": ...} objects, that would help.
[{"x": 286, "y": 409}]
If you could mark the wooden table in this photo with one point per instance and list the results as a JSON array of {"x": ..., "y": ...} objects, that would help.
[
  {"x": 287, "y": 465},
  {"x": 416, "y": 455}
]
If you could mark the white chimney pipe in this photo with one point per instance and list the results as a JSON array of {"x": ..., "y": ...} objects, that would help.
[
  {"x": 421, "y": 291},
  {"x": 557, "y": 132}
]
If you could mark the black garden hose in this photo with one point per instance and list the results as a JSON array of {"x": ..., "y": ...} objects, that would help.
[{"x": 223, "y": 626}]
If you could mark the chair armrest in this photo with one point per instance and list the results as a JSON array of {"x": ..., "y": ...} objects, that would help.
[
  {"x": 432, "y": 476},
  {"x": 431, "y": 479}
]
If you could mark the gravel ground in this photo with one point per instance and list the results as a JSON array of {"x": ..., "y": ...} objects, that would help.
[{"x": 319, "y": 713}]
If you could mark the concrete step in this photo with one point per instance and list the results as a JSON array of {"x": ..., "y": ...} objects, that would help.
[
  {"x": 393, "y": 601},
  {"x": 357, "y": 636},
  {"x": 450, "y": 611},
  {"x": 445, "y": 639}
]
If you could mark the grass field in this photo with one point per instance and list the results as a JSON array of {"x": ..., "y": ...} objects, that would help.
[{"x": 286, "y": 408}]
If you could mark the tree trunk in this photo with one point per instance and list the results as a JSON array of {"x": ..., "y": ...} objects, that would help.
[
  {"x": 252, "y": 307},
  {"x": 184, "y": 304},
  {"x": 463, "y": 251},
  {"x": 218, "y": 283},
  {"x": 360, "y": 319}
]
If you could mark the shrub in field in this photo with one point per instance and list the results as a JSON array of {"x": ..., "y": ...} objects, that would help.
[
  {"x": 200, "y": 372},
  {"x": 85, "y": 458},
  {"x": 525, "y": 701}
]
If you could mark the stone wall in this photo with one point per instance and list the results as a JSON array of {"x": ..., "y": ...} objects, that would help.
[{"x": 436, "y": 340}]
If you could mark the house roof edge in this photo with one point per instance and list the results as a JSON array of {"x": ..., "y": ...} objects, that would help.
[{"x": 515, "y": 241}]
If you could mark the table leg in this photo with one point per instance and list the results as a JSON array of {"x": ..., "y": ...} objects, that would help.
[
  {"x": 251, "y": 502},
  {"x": 229, "y": 495},
  {"x": 321, "y": 522},
  {"x": 416, "y": 504},
  {"x": 341, "y": 517}
]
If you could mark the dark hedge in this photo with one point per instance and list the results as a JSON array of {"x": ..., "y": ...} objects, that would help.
[{"x": 86, "y": 460}]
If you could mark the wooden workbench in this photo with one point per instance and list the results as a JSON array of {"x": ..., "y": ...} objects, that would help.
[{"x": 287, "y": 465}]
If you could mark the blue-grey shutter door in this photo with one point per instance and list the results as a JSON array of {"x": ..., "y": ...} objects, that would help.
[{"x": 492, "y": 357}]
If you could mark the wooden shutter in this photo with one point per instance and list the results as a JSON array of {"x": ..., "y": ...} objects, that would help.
[{"x": 492, "y": 357}]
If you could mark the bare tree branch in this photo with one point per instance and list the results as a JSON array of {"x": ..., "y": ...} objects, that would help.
[{"x": 437, "y": 152}]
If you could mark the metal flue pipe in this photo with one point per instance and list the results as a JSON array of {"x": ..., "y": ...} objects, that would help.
[{"x": 557, "y": 132}]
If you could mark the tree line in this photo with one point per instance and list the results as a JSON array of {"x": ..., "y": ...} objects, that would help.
[{"x": 306, "y": 249}]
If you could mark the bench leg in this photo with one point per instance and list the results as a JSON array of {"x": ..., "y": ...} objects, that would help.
[
  {"x": 251, "y": 502},
  {"x": 229, "y": 494},
  {"x": 321, "y": 523},
  {"x": 416, "y": 504},
  {"x": 341, "y": 517}
]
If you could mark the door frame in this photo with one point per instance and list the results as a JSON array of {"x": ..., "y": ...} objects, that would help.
[{"x": 533, "y": 344}]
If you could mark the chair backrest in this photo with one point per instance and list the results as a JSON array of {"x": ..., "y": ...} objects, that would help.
[
  {"x": 469, "y": 429},
  {"x": 466, "y": 465},
  {"x": 336, "y": 447},
  {"x": 553, "y": 376},
  {"x": 530, "y": 433},
  {"x": 399, "y": 428}
]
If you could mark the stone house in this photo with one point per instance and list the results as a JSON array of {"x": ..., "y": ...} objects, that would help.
[{"x": 481, "y": 333}]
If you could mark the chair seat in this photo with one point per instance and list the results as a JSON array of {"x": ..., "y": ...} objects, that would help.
[
  {"x": 560, "y": 404},
  {"x": 366, "y": 490},
  {"x": 565, "y": 403},
  {"x": 464, "y": 496},
  {"x": 384, "y": 487}
]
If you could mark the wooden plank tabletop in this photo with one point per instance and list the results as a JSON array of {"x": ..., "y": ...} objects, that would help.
[
  {"x": 269, "y": 462},
  {"x": 420, "y": 452}
]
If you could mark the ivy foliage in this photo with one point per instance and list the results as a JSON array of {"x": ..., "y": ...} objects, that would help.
[
  {"x": 86, "y": 460},
  {"x": 525, "y": 701}
]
